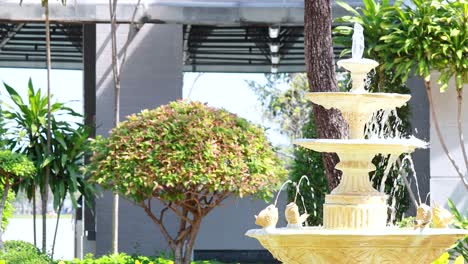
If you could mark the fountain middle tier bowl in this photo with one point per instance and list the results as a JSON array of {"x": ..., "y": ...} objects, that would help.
[
  {"x": 362, "y": 102},
  {"x": 364, "y": 146},
  {"x": 379, "y": 246}
]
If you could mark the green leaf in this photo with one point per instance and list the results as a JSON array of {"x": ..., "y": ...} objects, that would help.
[{"x": 348, "y": 8}]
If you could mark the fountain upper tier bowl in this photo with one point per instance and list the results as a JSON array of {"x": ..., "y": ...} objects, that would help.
[
  {"x": 358, "y": 107},
  {"x": 384, "y": 246},
  {"x": 362, "y": 102}
]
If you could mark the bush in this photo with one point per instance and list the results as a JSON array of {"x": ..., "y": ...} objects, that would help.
[
  {"x": 190, "y": 157},
  {"x": 123, "y": 258},
  {"x": 23, "y": 252}
]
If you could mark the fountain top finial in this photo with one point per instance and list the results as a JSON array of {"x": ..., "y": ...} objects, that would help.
[
  {"x": 358, "y": 42},
  {"x": 357, "y": 65}
]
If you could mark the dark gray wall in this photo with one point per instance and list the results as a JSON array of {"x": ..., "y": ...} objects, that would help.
[{"x": 420, "y": 121}]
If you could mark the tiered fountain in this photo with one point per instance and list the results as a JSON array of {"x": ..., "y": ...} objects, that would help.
[{"x": 355, "y": 214}]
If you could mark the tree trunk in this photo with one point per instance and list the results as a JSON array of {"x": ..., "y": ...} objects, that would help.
[
  {"x": 320, "y": 68},
  {"x": 2, "y": 206},
  {"x": 56, "y": 228},
  {"x": 34, "y": 214},
  {"x": 178, "y": 257},
  {"x": 45, "y": 189},
  {"x": 435, "y": 122},
  {"x": 115, "y": 72},
  {"x": 191, "y": 241}
]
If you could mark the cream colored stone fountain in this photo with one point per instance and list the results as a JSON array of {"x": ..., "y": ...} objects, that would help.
[{"x": 355, "y": 214}]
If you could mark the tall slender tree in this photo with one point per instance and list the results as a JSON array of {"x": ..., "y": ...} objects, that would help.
[
  {"x": 116, "y": 74},
  {"x": 45, "y": 188},
  {"x": 320, "y": 69}
]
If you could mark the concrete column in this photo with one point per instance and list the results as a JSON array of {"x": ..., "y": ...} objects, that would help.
[{"x": 152, "y": 76}]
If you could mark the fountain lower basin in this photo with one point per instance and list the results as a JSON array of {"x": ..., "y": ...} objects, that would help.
[{"x": 371, "y": 246}]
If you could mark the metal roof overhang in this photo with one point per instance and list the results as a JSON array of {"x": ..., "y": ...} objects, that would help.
[
  {"x": 189, "y": 12},
  {"x": 219, "y": 36}
]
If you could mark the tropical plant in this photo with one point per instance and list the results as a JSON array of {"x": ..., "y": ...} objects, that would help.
[
  {"x": 13, "y": 169},
  {"x": 190, "y": 158},
  {"x": 68, "y": 142},
  {"x": 424, "y": 36}
]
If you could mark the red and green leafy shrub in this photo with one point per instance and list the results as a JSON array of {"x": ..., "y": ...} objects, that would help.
[{"x": 190, "y": 157}]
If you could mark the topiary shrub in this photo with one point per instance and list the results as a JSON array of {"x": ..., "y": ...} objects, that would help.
[
  {"x": 24, "y": 253},
  {"x": 190, "y": 157}
]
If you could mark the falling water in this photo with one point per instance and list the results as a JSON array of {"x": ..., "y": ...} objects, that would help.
[
  {"x": 411, "y": 166},
  {"x": 299, "y": 184},
  {"x": 279, "y": 192},
  {"x": 314, "y": 204},
  {"x": 298, "y": 192},
  {"x": 385, "y": 124}
]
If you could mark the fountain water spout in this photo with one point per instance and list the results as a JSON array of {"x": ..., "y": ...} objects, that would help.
[
  {"x": 358, "y": 42},
  {"x": 357, "y": 65}
]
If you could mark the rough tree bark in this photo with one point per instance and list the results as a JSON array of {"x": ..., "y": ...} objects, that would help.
[{"x": 320, "y": 69}]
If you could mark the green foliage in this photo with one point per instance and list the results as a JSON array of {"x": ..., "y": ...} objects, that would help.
[
  {"x": 8, "y": 210},
  {"x": 15, "y": 165},
  {"x": 427, "y": 35},
  {"x": 461, "y": 222},
  {"x": 24, "y": 253},
  {"x": 285, "y": 107},
  {"x": 183, "y": 148},
  {"x": 123, "y": 258},
  {"x": 372, "y": 18},
  {"x": 68, "y": 143}
]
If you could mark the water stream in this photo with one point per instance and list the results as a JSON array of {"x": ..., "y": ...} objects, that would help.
[
  {"x": 386, "y": 124},
  {"x": 281, "y": 189}
]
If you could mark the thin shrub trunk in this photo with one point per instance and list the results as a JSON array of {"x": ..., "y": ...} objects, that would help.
[
  {"x": 115, "y": 73},
  {"x": 435, "y": 122},
  {"x": 34, "y": 215},
  {"x": 190, "y": 242},
  {"x": 56, "y": 228},
  {"x": 178, "y": 257},
  {"x": 6, "y": 188},
  {"x": 320, "y": 69}
]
